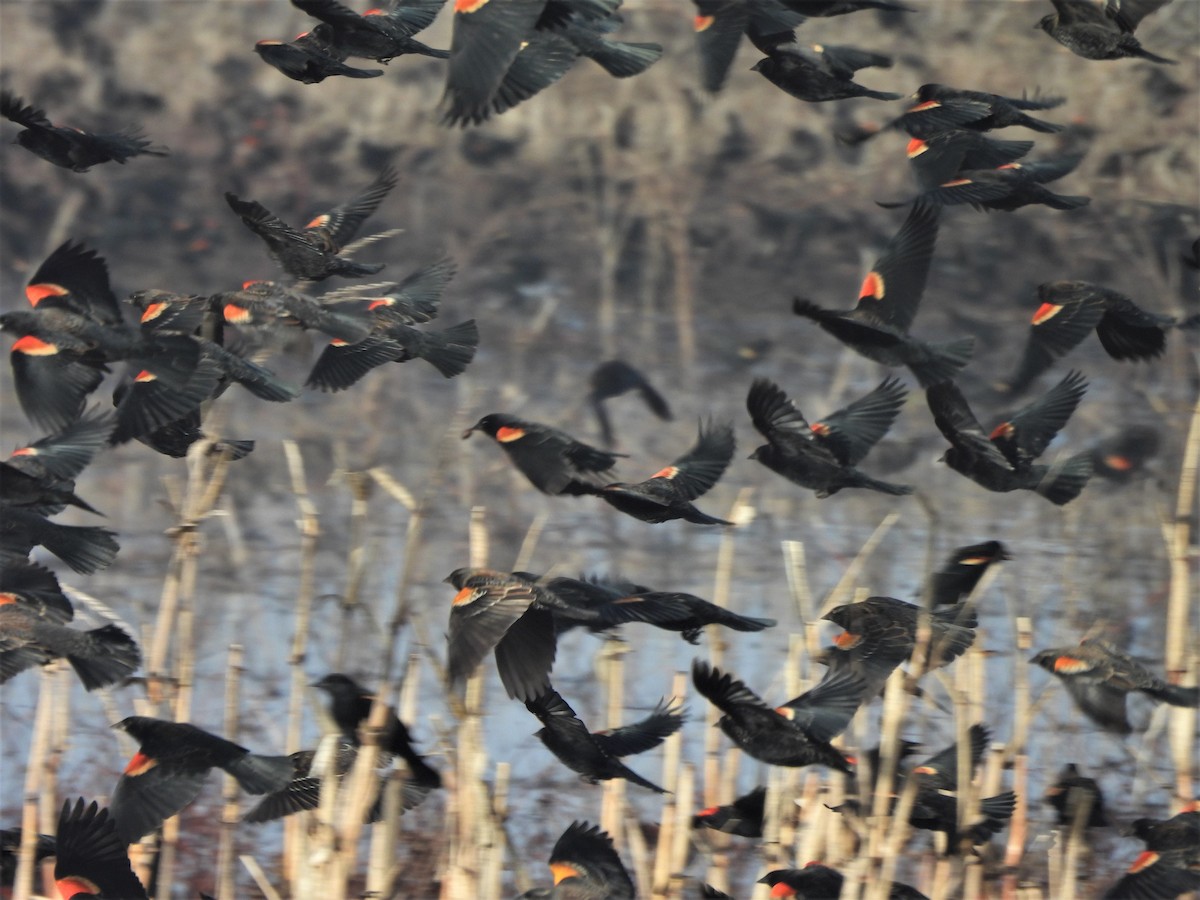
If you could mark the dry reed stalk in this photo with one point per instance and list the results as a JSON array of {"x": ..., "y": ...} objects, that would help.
[
  {"x": 1180, "y": 603},
  {"x": 356, "y": 561},
  {"x": 39, "y": 744},
  {"x": 848, "y": 582},
  {"x": 361, "y": 784},
  {"x": 886, "y": 836},
  {"x": 772, "y": 851},
  {"x": 1015, "y": 752},
  {"x": 309, "y": 526},
  {"x": 681, "y": 831},
  {"x": 492, "y": 877},
  {"x": 724, "y": 782},
  {"x": 226, "y": 883},
  {"x": 260, "y": 878},
  {"x": 611, "y": 663},
  {"x": 638, "y": 852},
  {"x": 796, "y": 569},
  {"x": 529, "y": 544},
  {"x": 668, "y": 816}
]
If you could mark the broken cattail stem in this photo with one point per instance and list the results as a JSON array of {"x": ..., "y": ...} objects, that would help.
[{"x": 226, "y": 883}]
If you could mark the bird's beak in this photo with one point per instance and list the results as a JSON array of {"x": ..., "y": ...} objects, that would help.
[{"x": 466, "y": 434}]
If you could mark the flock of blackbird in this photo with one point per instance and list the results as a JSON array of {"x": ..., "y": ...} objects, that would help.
[{"x": 185, "y": 350}]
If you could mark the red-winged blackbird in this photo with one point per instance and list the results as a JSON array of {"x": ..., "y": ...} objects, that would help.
[
  {"x": 308, "y": 59},
  {"x": 37, "y": 588},
  {"x": 91, "y": 857},
  {"x": 881, "y": 633},
  {"x": 350, "y": 705},
  {"x": 585, "y": 866},
  {"x": 961, "y": 571},
  {"x": 28, "y": 638},
  {"x": 1121, "y": 456},
  {"x": 795, "y": 734},
  {"x": 71, "y": 148},
  {"x": 175, "y": 438},
  {"x": 85, "y": 548},
  {"x": 819, "y": 882},
  {"x": 10, "y": 847},
  {"x": 1002, "y": 460},
  {"x": 1071, "y": 310},
  {"x": 667, "y": 494},
  {"x": 312, "y": 253},
  {"x": 860, "y": 797},
  {"x": 888, "y": 300},
  {"x": 940, "y": 158},
  {"x": 552, "y": 460},
  {"x": 1170, "y": 864},
  {"x": 743, "y": 817},
  {"x": 170, "y": 767},
  {"x": 720, "y": 24},
  {"x": 395, "y": 308},
  {"x": 1008, "y": 187},
  {"x": 61, "y": 356},
  {"x": 935, "y": 807},
  {"x": 614, "y": 378},
  {"x": 40, "y": 477},
  {"x": 616, "y": 603},
  {"x": 76, "y": 279},
  {"x": 828, "y": 8},
  {"x": 265, "y": 304},
  {"x": 596, "y": 756},
  {"x": 822, "y": 456},
  {"x": 378, "y": 34},
  {"x": 1101, "y": 30},
  {"x": 818, "y": 72},
  {"x": 1074, "y": 794},
  {"x": 938, "y": 102},
  {"x": 515, "y": 617},
  {"x": 145, "y": 404},
  {"x": 1098, "y": 677}
]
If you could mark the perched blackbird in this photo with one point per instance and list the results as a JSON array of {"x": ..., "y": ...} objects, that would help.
[
  {"x": 37, "y": 589},
  {"x": 85, "y": 548},
  {"x": 743, "y": 817},
  {"x": 1101, "y": 30},
  {"x": 596, "y": 756},
  {"x": 1098, "y": 676},
  {"x": 265, "y": 304},
  {"x": 1170, "y": 864},
  {"x": 395, "y": 309},
  {"x": 312, "y": 253},
  {"x": 309, "y": 60},
  {"x": 552, "y": 460},
  {"x": 350, "y": 705},
  {"x": 819, "y": 882},
  {"x": 585, "y": 866},
  {"x": 719, "y": 27},
  {"x": 378, "y": 34},
  {"x": 822, "y": 456},
  {"x": 1121, "y": 456},
  {"x": 28, "y": 638},
  {"x": 71, "y": 148},
  {"x": 881, "y": 633},
  {"x": 668, "y": 493},
  {"x": 820, "y": 72},
  {"x": 1074, "y": 791},
  {"x": 957, "y": 577},
  {"x": 1002, "y": 460},
  {"x": 614, "y": 378},
  {"x": 91, "y": 857},
  {"x": 795, "y": 734},
  {"x": 888, "y": 300},
  {"x": 1070, "y": 310},
  {"x": 40, "y": 477},
  {"x": 514, "y": 616},
  {"x": 170, "y": 767},
  {"x": 61, "y": 356}
]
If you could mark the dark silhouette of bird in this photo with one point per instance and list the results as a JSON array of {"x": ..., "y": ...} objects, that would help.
[
  {"x": 380, "y": 34},
  {"x": 720, "y": 25},
  {"x": 667, "y": 494},
  {"x": 596, "y": 756},
  {"x": 1101, "y": 30},
  {"x": 171, "y": 765},
  {"x": 72, "y": 148},
  {"x": 29, "y": 637},
  {"x": 822, "y": 456},
  {"x": 888, "y": 301},
  {"x": 743, "y": 817},
  {"x": 1074, "y": 794},
  {"x": 1170, "y": 864},
  {"x": 585, "y": 866},
  {"x": 552, "y": 460},
  {"x": 1121, "y": 456},
  {"x": 612, "y": 379},
  {"x": 91, "y": 859},
  {"x": 961, "y": 571},
  {"x": 40, "y": 477},
  {"x": 795, "y": 734},
  {"x": 1008, "y": 187},
  {"x": 1099, "y": 677},
  {"x": 309, "y": 60},
  {"x": 819, "y": 72},
  {"x": 1070, "y": 310},
  {"x": 819, "y": 881},
  {"x": 1003, "y": 460},
  {"x": 313, "y": 252},
  {"x": 85, "y": 548},
  {"x": 265, "y": 305}
]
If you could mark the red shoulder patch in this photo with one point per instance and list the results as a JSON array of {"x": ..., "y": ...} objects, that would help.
[
  {"x": 140, "y": 764},
  {"x": 31, "y": 346},
  {"x": 36, "y": 293},
  {"x": 668, "y": 473},
  {"x": 1046, "y": 312},
  {"x": 703, "y": 23}
]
